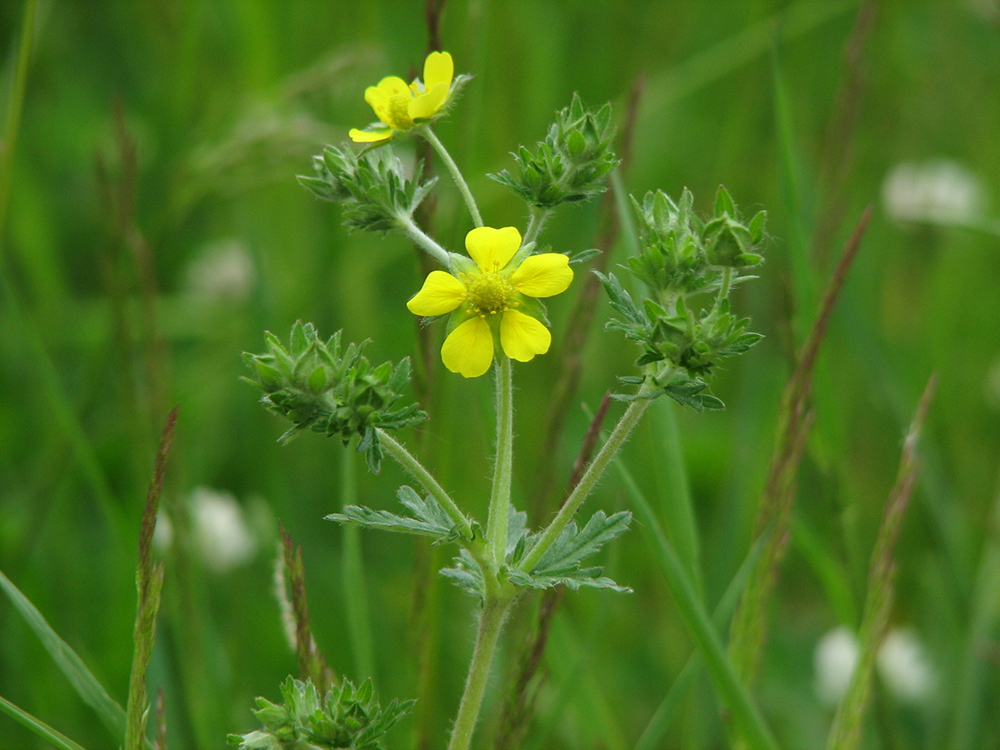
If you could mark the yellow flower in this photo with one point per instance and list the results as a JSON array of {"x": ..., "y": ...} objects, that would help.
[
  {"x": 494, "y": 297},
  {"x": 400, "y": 106}
]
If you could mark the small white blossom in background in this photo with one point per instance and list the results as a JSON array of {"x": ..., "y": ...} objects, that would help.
[
  {"x": 220, "y": 530},
  {"x": 224, "y": 270},
  {"x": 903, "y": 667},
  {"x": 936, "y": 190},
  {"x": 163, "y": 534},
  {"x": 836, "y": 657},
  {"x": 901, "y": 662}
]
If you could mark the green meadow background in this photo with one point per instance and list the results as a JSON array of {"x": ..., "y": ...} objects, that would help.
[{"x": 155, "y": 230}]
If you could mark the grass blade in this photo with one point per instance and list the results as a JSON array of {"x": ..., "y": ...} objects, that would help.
[
  {"x": 678, "y": 510},
  {"x": 747, "y": 719},
  {"x": 71, "y": 665},
  {"x": 37, "y": 726},
  {"x": 14, "y": 111},
  {"x": 845, "y": 734},
  {"x": 794, "y": 421},
  {"x": 652, "y": 735},
  {"x": 149, "y": 580}
]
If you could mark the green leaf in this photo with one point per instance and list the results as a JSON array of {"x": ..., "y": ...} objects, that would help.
[
  {"x": 572, "y": 546},
  {"x": 430, "y": 519},
  {"x": 37, "y": 726},
  {"x": 573, "y": 580},
  {"x": 71, "y": 665},
  {"x": 561, "y": 564},
  {"x": 584, "y": 255},
  {"x": 466, "y": 574}
]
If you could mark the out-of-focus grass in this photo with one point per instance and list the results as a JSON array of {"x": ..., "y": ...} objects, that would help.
[{"x": 225, "y": 102}]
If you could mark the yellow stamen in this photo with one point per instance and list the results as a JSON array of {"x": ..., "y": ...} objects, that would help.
[{"x": 490, "y": 291}]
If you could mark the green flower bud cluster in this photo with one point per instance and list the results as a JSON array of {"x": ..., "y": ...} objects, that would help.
[
  {"x": 347, "y": 717},
  {"x": 570, "y": 164},
  {"x": 372, "y": 186},
  {"x": 317, "y": 386},
  {"x": 682, "y": 330},
  {"x": 683, "y": 255}
]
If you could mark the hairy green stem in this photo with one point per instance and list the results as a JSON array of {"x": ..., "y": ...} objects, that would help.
[
  {"x": 456, "y": 175},
  {"x": 496, "y": 523},
  {"x": 535, "y": 223},
  {"x": 416, "y": 469},
  {"x": 491, "y": 618},
  {"x": 724, "y": 287},
  {"x": 423, "y": 240},
  {"x": 590, "y": 478}
]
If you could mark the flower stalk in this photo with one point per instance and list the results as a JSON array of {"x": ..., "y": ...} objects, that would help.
[
  {"x": 496, "y": 524},
  {"x": 456, "y": 173},
  {"x": 414, "y": 468},
  {"x": 590, "y": 478},
  {"x": 423, "y": 240}
]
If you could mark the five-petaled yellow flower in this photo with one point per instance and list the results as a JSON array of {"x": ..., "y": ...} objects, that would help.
[
  {"x": 493, "y": 298},
  {"x": 400, "y": 106}
]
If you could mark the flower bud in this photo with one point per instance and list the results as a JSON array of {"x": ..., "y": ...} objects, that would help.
[{"x": 321, "y": 387}]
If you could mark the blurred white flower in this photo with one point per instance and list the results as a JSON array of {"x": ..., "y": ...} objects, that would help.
[
  {"x": 901, "y": 662},
  {"x": 163, "y": 534},
  {"x": 224, "y": 270},
  {"x": 220, "y": 530},
  {"x": 903, "y": 666},
  {"x": 836, "y": 657},
  {"x": 936, "y": 190}
]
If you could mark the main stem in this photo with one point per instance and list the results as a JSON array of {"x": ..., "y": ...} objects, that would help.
[
  {"x": 491, "y": 618},
  {"x": 496, "y": 523},
  {"x": 456, "y": 175}
]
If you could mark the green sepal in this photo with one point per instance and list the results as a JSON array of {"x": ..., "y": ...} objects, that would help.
[
  {"x": 332, "y": 389},
  {"x": 346, "y": 717},
  {"x": 572, "y": 162},
  {"x": 372, "y": 186}
]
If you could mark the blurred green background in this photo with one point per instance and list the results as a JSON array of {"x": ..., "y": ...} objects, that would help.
[{"x": 155, "y": 230}]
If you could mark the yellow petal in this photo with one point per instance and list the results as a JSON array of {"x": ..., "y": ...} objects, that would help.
[
  {"x": 438, "y": 68},
  {"x": 370, "y": 136},
  {"x": 522, "y": 336},
  {"x": 544, "y": 275},
  {"x": 468, "y": 350},
  {"x": 390, "y": 86},
  {"x": 492, "y": 248},
  {"x": 440, "y": 294},
  {"x": 381, "y": 98},
  {"x": 425, "y": 105}
]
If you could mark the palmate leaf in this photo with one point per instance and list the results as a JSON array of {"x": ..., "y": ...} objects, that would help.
[
  {"x": 429, "y": 518},
  {"x": 583, "y": 577},
  {"x": 572, "y": 546},
  {"x": 561, "y": 564}
]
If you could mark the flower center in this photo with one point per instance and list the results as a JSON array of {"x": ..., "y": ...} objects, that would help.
[
  {"x": 399, "y": 111},
  {"x": 489, "y": 292}
]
